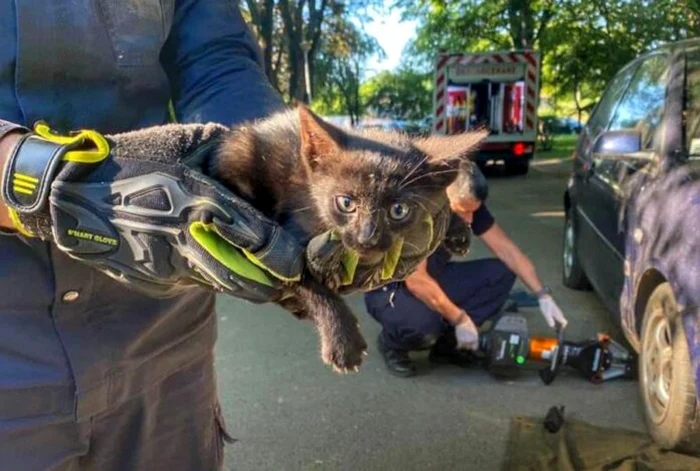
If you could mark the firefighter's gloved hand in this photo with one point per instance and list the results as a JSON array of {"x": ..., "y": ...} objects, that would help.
[
  {"x": 467, "y": 334},
  {"x": 138, "y": 207},
  {"x": 345, "y": 272},
  {"x": 458, "y": 239},
  {"x": 551, "y": 312}
]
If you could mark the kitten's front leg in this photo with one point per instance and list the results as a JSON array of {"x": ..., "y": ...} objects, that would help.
[{"x": 342, "y": 344}]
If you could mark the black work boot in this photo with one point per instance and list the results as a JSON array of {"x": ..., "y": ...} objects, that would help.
[
  {"x": 445, "y": 352},
  {"x": 397, "y": 361}
]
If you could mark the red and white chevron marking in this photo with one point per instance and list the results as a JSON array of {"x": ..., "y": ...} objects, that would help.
[{"x": 445, "y": 60}]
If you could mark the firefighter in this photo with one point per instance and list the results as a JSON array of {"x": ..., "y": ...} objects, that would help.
[{"x": 441, "y": 305}]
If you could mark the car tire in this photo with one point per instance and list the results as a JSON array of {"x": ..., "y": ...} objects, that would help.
[
  {"x": 573, "y": 275},
  {"x": 666, "y": 378},
  {"x": 517, "y": 167}
]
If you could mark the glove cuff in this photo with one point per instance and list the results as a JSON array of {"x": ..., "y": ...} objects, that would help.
[
  {"x": 28, "y": 173},
  {"x": 26, "y": 182},
  {"x": 545, "y": 291},
  {"x": 31, "y": 168}
]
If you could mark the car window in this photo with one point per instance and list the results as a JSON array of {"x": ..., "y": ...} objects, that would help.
[
  {"x": 605, "y": 170},
  {"x": 601, "y": 115},
  {"x": 642, "y": 105},
  {"x": 692, "y": 100}
]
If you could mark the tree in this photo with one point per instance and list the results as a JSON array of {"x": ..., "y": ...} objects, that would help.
[
  {"x": 343, "y": 53},
  {"x": 591, "y": 40},
  {"x": 290, "y": 33},
  {"x": 405, "y": 93},
  {"x": 501, "y": 24},
  {"x": 261, "y": 14},
  {"x": 583, "y": 42}
]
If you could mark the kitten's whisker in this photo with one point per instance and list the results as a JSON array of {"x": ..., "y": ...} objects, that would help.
[
  {"x": 301, "y": 209},
  {"x": 415, "y": 167},
  {"x": 424, "y": 198},
  {"x": 411, "y": 245},
  {"x": 429, "y": 174},
  {"x": 423, "y": 206}
]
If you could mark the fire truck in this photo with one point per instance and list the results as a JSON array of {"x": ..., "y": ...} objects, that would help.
[{"x": 498, "y": 90}]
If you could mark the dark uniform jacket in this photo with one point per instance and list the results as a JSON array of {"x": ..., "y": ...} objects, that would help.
[{"x": 73, "y": 341}]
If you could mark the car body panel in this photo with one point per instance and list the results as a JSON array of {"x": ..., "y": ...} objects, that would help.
[
  {"x": 652, "y": 217},
  {"x": 663, "y": 234}
]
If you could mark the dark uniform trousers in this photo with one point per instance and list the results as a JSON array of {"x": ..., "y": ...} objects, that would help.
[
  {"x": 86, "y": 384},
  {"x": 480, "y": 287}
]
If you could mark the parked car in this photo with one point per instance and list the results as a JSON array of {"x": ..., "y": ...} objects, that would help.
[
  {"x": 632, "y": 229},
  {"x": 561, "y": 125}
]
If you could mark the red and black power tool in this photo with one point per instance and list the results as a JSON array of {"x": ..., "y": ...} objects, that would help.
[{"x": 507, "y": 347}]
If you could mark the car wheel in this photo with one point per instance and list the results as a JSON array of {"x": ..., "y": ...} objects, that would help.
[
  {"x": 518, "y": 167},
  {"x": 573, "y": 275},
  {"x": 666, "y": 379}
]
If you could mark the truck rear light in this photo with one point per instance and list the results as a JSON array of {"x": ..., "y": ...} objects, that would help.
[
  {"x": 521, "y": 148},
  {"x": 518, "y": 149}
]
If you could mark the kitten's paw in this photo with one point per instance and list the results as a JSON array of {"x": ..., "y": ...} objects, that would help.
[{"x": 345, "y": 353}]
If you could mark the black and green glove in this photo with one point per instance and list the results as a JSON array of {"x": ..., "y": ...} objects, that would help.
[
  {"x": 131, "y": 206},
  {"x": 458, "y": 239}
]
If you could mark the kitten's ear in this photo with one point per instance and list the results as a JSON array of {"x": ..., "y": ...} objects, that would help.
[
  {"x": 318, "y": 138},
  {"x": 455, "y": 147},
  {"x": 446, "y": 153}
]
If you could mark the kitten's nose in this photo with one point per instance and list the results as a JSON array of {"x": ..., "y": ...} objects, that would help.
[{"x": 367, "y": 236}]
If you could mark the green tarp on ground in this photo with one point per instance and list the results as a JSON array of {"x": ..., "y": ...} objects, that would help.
[{"x": 579, "y": 446}]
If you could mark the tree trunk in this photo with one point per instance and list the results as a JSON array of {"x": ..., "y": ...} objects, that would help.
[
  {"x": 522, "y": 23},
  {"x": 316, "y": 16},
  {"x": 293, "y": 27},
  {"x": 262, "y": 17},
  {"x": 266, "y": 27},
  {"x": 356, "y": 94},
  {"x": 579, "y": 110}
]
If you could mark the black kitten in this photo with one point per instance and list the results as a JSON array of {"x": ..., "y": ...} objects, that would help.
[{"x": 370, "y": 187}]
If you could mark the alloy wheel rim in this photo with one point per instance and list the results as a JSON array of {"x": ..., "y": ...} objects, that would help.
[{"x": 658, "y": 366}]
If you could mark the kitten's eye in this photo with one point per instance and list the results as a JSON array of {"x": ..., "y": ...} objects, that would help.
[
  {"x": 345, "y": 204},
  {"x": 399, "y": 211}
]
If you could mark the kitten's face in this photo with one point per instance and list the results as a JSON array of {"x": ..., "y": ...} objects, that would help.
[
  {"x": 371, "y": 198},
  {"x": 373, "y": 187}
]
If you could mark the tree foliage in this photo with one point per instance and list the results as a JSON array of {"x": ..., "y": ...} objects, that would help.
[
  {"x": 340, "y": 69},
  {"x": 471, "y": 25},
  {"x": 583, "y": 42},
  {"x": 316, "y": 50},
  {"x": 293, "y": 35},
  {"x": 404, "y": 93}
]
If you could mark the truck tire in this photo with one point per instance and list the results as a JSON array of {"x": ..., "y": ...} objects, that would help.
[
  {"x": 666, "y": 378},
  {"x": 572, "y": 272},
  {"x": 517, "y": 167}
]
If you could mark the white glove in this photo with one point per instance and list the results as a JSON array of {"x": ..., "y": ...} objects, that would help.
[
  {"x": 467, "y": 334},
  {"x": 551, "y": 312}
]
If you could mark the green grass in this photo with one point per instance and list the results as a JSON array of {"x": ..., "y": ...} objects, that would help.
[{"x": 564, "y": 145}]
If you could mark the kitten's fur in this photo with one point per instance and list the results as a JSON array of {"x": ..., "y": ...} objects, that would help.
[{"x": 300, "y": 171}]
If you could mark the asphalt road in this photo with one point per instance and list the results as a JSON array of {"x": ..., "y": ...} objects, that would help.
[{"x": 289, "y": 412}]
